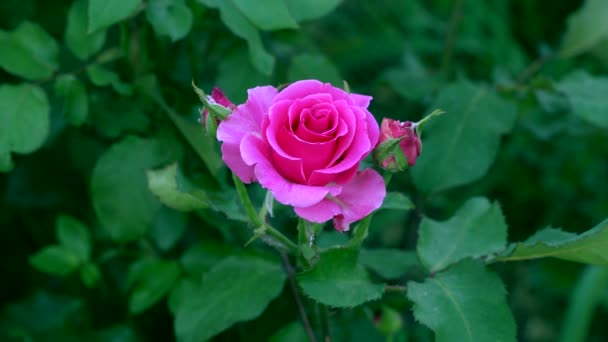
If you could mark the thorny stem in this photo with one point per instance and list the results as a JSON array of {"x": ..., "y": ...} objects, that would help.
[
  {"x": 296, "y": 295},
  {"x": 448, "y": 46}
]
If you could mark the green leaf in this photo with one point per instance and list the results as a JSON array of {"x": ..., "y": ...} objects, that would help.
[
  {"x": 311, "y": 9},
  {"x": 236, "y": 289},
  {"x": 586, "y": 28},
  {"x": 150, "y": 280},
  {"x": 292, "y": 332},
  {"x": 266, "y": 14},
  {"x": 168, "y": 228},
  {"x": 465, "y": 303},
  {"x": 587, "y": 96},
  {"x": 24, "y": 121},
  {"x": 388, "y": 263},
  {"x": 90, "y": 275},
  {"x": 315, "y": 66},
  {"x": 56, "y": 260},
  {"x": 102, "y": 77},
  {"x": 174, "y": 191},
  {"x": 29, "y": 52},
  {"x": 204, "y": 255},
  {"x": 75, "y": 236},
  {"x": 337, "y": 280},
  {"x": 236, "y": 74},
  {"x": 76, "y": 104},
  {"x": 478, "y": 228},
  {"x": 103, "y": 13},
  {"x": 77, "y": 38},
  {"x": 590, "y": 247},
  {"x": 397, "y": 201},
  {"x": 169, "y": 17},
  {"x": 121, "y": 199},
  {"x": 462, "y": 144}
]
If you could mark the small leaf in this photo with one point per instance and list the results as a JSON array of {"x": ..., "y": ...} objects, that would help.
[
  {"x": 102, "y": 77},
  {"x": 168, "y": 228},
  {"x": 76, "y": 104},
  {"x": 310, "y": 9},
  {"x": 236, "y": 289},
  {"x": 388, "y": 263},
  {"x": 24, "y": 121},
  {"x": 590, "y": 247},
  {"x": 169, "y": 17},
  {"x": 29, "y": 52},
  {"x": 337, "y": 280},
  {"x": 397, "y": 201},
  {"x": 465, "y": 303},
  {"x": 149, "y": 281},
  {"x": 174, "y": 191},
  {"x": 56, "y": 260},
  {"x": 75, "y": 236},
  {"x": 103, "y": 13},
  {"x": 316, "y": 66},
  {"x": 478, "y": 228},
  {"x": 459, "y": 147},
  {"x": 292, "y": 332},
  {"x": 82, "y": 43},
  {"x": 587, "y": 96},
  {"x": 266, "y": 14},
  {"x": 586, "y": 28},
  {"x": 90, "y": 275}
]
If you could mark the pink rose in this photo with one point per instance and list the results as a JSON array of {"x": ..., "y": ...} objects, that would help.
[
  {"x": 305, "y": 144},
  {"x": 403, "y": 133}
]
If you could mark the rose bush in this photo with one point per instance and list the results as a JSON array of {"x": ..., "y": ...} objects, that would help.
[{"x": 304, "y": 144}]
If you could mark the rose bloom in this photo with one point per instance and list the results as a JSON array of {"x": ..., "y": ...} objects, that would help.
[{"x": 304, "y": 144}]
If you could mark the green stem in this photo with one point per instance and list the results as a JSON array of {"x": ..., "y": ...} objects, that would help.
[
  {"x": 244, "y": 196},
  {"x": 284, "y": 240}
]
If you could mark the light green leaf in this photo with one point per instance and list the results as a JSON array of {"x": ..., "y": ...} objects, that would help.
[
  {"x": 586, "y": 27},
  {"x": 169, "y": 17},
  {"x": 150, "y": 280},
  {"x": 587, "y": 96},
  {"x": 466, "y": 303},
  {"x": 168, "y": 228},
  {"x": 56, "y": 260},
  {"x": 80, "y": 42},
  {"x": 29, "y": 52},
  {"x": 315, "y": 66},
  {"x": 311, "y": 9},
  {"x": 90, "y": 275},
  {"x": 75, "y": 101},
  {"x": 397, "y": 201},
  {"x": 102, "y": 77},
  {"x": 103, "y": 13},
  {"x": 266, "y": 14},
  {"x": 174, "y": 191},
  {"x": 388, "y": 263},
  {"x": 24, "y": 121},
  {"x": 459, "y": 146},
  {"x": 477, "y": 228},
  {"x": 337, "y": 280},
  {"x": 590, "y": 247},
  {"x": 236, "y": 289},
  {"x": 75, "y": 236},
  {"x": 121, "y": 199}
]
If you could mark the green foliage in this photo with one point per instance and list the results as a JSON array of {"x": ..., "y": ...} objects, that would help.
[
  {"x": 82, "y": 43},
  {"x": 397, "y": 201},
  {"x": 586, "y": 28},
  {"x": 170, "y": 18},
  {"x": 400, "y": 261},
  {"x": 464, "y": 303},
  {"x": 174, "y": 191},
  {"x": 149, "y": 280},
  {"x": 104, "y": 13},
  {"x": 76, "y": 105},
  {"x": 587, "y": 96}
]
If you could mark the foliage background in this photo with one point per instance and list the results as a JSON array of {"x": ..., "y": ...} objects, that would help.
[{"x": 93, "y": 122}]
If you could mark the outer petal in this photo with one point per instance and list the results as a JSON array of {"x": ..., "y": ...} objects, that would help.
[
  {"x": 361, "y": 100},
  {"x": 358, "y": 199},
  {"x": 256, "y": 152}
]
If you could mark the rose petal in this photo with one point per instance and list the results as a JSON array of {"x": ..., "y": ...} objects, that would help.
[
  {"x": 361, "y": 100},
  {"x": 358, "y": 199},
  {"x": 301, "y": 89},
  {"x": 313, "y": 155}
]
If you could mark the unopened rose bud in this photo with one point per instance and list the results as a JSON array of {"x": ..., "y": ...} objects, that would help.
[
  {"x": 217, "y": 98},
  {"x": 399, "y": 145}
]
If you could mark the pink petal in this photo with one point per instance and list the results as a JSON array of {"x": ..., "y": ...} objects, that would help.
[
  {"x": 358, "y": 199},
  {"x": 361, "y": 100}
]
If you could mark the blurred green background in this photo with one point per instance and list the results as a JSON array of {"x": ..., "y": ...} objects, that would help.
[{"x": 550, "y": 170}]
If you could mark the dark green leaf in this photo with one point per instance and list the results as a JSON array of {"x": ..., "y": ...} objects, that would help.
[
  {"x": 465, "y": 303},
  {"x": 169, "y": 17},
  {"x": 587, "y": 96},
  {"x": 90, "y": 275},
  {"x": 168, "y": 228},
  {"x": 75, "y": 101},
  {"x": 102, "y": 77},
  {"x": 311, "y": 9},
  {"x": 56, "y": 260},
  {"x": 202, "y": 256},
  {"x": 29, "y": 52},
  {"x": 174, "y": 191},
  {"x": 266, "y": 14},
  {"x": 82, "y": 43},
  {"x": 103, "y": 13},
  {"x": 24, "y": 121},
  {"x": 237, "y": 289},
  {"x": 75, "y": 236},
  {"x": 460, "y": 146},
  {"x": 292, "y": 332},
  {"x": 149, "y": 281},
  {"x": 315, "y": 66},
  {"x": 586, "y": 28},
  {"x": 388, "y": 263},
  {"x": 590, "y": 247},
  {"x": 397, "y": 201},
  {"x": 337, "y": 280},
  {"x": 478, "y": 228}
]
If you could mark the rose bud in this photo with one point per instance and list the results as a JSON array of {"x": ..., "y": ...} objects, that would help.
[
  {"x": 399, "y": 145},
  {"x": 217, "y": 98},
  {"x": 217, "y": 105}
]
